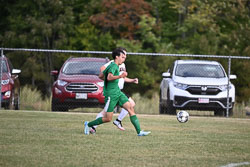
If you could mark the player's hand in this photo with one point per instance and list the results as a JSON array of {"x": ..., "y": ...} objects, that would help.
[
  {"x": 136, "y": 81},
  {"x": 124, "y": 74}
]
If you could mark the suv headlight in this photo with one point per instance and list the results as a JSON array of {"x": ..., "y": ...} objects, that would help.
[
  {"x": 5, "y": 82},
  {"x": 101, "y": 84},
  {"x": 224, "y": 87},
  {"x": 61, "y": 83},
  {"x": 180, "y": 85}
]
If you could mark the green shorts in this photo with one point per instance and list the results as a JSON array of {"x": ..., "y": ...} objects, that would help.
[{"x": 112, "y": 101}]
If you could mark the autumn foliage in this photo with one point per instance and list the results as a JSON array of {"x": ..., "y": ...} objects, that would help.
[{"x": 121, "y": 18}]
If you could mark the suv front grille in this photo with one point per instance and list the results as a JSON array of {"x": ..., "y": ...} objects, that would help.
[
  {"x": 82, "y": 87},
  {"x": 208, "y": 91}
]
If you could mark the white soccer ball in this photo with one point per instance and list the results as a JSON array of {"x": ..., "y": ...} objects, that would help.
[{"x": 182, "y": 116}]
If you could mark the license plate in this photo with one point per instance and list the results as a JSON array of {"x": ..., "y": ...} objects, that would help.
[
  {"x": 81, "y": 96},
  {"x": 202, "y": 100}
]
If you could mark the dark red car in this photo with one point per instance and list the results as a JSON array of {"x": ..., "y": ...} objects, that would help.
[
  {"x": 10, "y": 88},
  {"x": 78, "y": 84}
]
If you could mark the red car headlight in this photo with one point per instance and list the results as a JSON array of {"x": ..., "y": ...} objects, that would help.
[
  {"x": 101, "y": 84},
  {"x": 61, "y": 83}
]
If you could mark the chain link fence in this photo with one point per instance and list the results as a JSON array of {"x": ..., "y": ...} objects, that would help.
[{"x": 74, "y": 82}]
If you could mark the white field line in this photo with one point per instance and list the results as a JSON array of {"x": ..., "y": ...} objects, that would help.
[{"x": 236, "y": 164}]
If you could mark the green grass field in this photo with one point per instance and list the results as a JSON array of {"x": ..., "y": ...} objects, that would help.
[{"x": 32, "y": 138}]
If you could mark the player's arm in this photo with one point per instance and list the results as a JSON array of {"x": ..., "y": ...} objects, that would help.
[
  {"x": 112, "y": 77},
  {"x": 130, "y": 80},
  {"x": 101, "y": 75}
]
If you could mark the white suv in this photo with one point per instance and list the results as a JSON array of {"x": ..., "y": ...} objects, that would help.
[{"x": 196, "y": 85}]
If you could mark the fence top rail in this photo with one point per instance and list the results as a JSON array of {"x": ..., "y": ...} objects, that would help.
[{"x": 129, "y": 53}]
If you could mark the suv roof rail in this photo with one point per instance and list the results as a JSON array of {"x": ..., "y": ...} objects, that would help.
[{"x": 107, "y": 59}]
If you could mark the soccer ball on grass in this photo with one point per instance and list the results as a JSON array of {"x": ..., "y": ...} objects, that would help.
[{"x": 182, "y": 116}]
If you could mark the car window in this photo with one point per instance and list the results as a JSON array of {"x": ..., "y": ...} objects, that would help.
[
  {"x": 199, "y": 70},
  {"x": 10, "y": 65},
  {"x": 4, "y": 66},
  {"x": 171, "y": 69},
  {"x": 88, "y": 67}
]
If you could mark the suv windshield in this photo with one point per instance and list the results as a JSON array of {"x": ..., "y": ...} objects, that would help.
[
  {"x": 199, "y": 70},
  {"x": 87, "y": 67}
]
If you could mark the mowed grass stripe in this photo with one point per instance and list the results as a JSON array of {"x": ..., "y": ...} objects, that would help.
[{"x": 31, "y": 138}]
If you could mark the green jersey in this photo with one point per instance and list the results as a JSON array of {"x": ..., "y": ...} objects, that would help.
[{"x": 111, "y": 88}]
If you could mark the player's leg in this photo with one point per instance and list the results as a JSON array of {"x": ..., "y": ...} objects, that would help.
[
  {"x": 118, "y": 121},
  {"x": 124, "y": 112},
  {"x": 101, "y": 120},
  {"x": 110, "y": 104},
  {"x": 103, "y": 113},
  {"x": 108, "y": 117},
  {"x": 92, "y": 130},
  {"x": 127, "y": 106},
  {"x": 122, "y": 115},
  {"x": 133, "y": 118}
]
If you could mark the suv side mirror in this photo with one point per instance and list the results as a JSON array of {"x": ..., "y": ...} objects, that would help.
[
  {"x": 232, "y": 77},
  {"x": 54, "y": 73},
  {"x": 16, "y": 71},
  {"x": 166, "y": 75}
]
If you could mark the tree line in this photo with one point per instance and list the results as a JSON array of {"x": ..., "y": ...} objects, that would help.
[{"x": 204, "y": 27}]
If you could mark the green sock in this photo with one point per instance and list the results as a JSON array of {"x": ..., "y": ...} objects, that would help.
[
  {"x": 98, "y": 121},
  {"x": 136, "y": 123}
]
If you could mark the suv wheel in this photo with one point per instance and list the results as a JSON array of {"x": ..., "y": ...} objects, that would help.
[
  {"x": 17, "y": 103},
  {"x": 12, "y": 101},
  {"x": 162, "y": 108},
  {"x": 7, "y": 106},
  {"x": 170, "y": 108}
]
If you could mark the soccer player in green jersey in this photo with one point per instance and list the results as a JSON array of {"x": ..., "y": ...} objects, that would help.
[
  {"x": 123, "y": 113},
  {"x": 114, "y": 96}
]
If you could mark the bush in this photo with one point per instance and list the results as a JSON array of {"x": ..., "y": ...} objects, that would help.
[
  {"x": 31, "y": 99},
  {"x": 241, "y": 109},
  {"x": 145, "y": 105}
]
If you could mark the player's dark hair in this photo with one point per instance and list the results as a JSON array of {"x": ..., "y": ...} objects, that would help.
[
  {"x": 117, "y": 52},
  {"x": 122, "y": 48}
]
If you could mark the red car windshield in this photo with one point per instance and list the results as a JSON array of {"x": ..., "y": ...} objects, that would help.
[{"x": 78, "y": 68}]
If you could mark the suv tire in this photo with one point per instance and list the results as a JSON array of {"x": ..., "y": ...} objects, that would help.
[
  {"x": 162, "y": 108},
  {"x": 170, "y": 109},
  {"x": 17, "y": 103}
]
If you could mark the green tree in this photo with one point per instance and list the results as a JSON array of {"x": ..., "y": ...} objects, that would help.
[
  {"x": 87, "y": 37},
  {"x": 234, "y": 20},
  {"x": 39, "y": 24}
]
